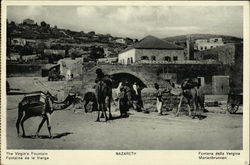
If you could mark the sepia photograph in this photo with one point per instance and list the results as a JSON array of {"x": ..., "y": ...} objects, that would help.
[{"x": 124, "y": 77}]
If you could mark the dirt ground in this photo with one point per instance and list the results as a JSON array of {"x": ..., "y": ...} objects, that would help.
[{"x": 140, "y": 131}]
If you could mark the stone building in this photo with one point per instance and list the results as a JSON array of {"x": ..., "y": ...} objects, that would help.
[
  {"x": 108, "y": 60},
  {"x": 205, "y": 44},
  {"x": 120, "y": 41},
  {"x": 18, "y": 41},
  {"x": 152, "y": 49},
  {"x": 69, "y": 66},
  {"x": 54, "y": 52},
  {"x": 224, "y": 54}
]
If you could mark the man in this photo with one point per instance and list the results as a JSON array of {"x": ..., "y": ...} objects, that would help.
[
  {"x": 48, "y": 104},
  {"x": 137, "y": 101},
  {"x": 46, "y": 113},
  {"x": 158, "y": 99},
  {"x": 135, "y": 88},
  {"x": 124, "y": 99},
  {"x": 100, "y": 76}
]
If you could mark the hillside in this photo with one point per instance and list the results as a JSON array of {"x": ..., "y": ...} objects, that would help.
[
  {"x": 182, "y": 38},
  {"x": 45, "y": 31}
]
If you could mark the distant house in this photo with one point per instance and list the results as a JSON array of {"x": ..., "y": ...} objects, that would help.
[
  {"x": 14, "y": 57},
  {"x": 29, "y": 21},
  {"x": 18, "y": 41},
  {"x": 153, "y": 49},
  {"x": 74, "y": 67},
  {"x": 108, "y": 52},
  {"x": 108, "y": 60},
  {"x": 54, "y": 52},
  {"x": 30, "y": 57},
  {"x": 78, "y": 52},
  {"x": 30, "y": 42},
  {"x": 205, "y": 44},
  {"x": 83, "y": 38},
  {"x": 120, "y": 41},
  {"x": 95, "y": 38}
]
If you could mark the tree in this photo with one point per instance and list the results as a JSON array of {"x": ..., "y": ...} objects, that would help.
[
  {"x": 13, "y": 24},
  {"x": 73, "y": 55},
  {"x": 26, "y": 50},
  {"x": 96, "y": 52},
  {"x": 43, "y": 24},
  {"x": 40, "y": 49},
  {"x": 91, "y": 33}
]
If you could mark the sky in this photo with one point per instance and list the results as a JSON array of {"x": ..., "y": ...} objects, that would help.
[{"x": 137, "y": 21}]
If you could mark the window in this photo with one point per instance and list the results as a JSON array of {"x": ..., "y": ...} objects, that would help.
[
  {"x": 144, "y": 58},
  {"x": 201, "y": 48},
  {"x": 128, "y": 61},
  {"x": 131, "y": 60},
  {"x": 153, "y": 58},
  {"x": 175, "y": 58},
  {"x": 211, "y": 47},
  {"x": 167, "y": 58},
  {"x": 205, "y": 48}
]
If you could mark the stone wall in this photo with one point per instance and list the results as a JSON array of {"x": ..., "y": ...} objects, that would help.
[
  {"x": 24, "y": 70},
  {"x": 170, "y": 102},
  {"x": 224, "y": 54},
  {"x": 220, "y": 85},
  {"x": 150, "y": 74}
]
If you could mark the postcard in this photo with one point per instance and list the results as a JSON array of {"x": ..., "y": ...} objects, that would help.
[{"x": 125, "y": 82}]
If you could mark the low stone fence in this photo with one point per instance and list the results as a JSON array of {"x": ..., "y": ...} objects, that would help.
[
  {"x": 170, "y": 101},
  {"x": 24, "y": 70}
]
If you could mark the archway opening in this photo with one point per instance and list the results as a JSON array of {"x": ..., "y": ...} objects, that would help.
[{"x": 131, "y": 79}]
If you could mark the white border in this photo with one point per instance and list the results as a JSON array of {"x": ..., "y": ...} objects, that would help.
[{"x": 142, "y": 157}]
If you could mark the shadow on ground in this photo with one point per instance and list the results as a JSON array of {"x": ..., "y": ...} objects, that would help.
[
  {"x": 55, "y": 136},
  {"x": 238, "y": 113},
  {"x": 17, "y": 93},
  {"x": 200, "y": 117}
]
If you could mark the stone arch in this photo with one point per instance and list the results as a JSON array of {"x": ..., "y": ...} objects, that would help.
[{"x": 130, "y": 76}]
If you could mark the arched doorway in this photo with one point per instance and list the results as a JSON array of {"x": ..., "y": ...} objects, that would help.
[{"x": 122, "y": 77}]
